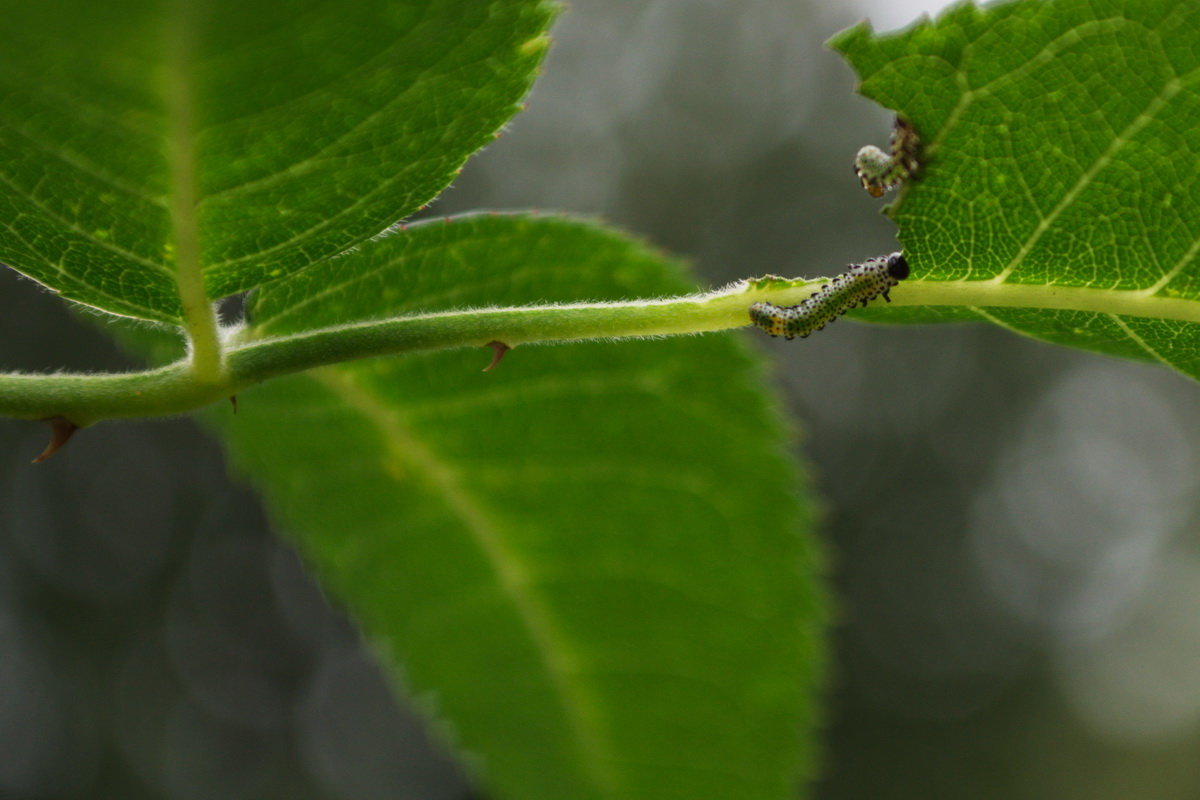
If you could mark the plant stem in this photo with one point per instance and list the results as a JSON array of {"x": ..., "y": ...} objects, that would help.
[{"x": 175, "y": 389}]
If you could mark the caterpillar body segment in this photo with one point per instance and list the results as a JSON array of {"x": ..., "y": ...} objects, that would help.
[{"x": 857, "y": 286}]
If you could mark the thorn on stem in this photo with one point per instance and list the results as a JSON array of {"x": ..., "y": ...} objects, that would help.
[
  {"x": 61, "y": 430},
  {"x": 498, "y": 351}
]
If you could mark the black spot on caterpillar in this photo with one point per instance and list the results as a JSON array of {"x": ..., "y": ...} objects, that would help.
[
  {"x": 880, "y": 172},
  {"x": 857, "y": 286}
]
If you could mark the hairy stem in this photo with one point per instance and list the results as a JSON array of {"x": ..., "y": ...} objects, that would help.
[
  {"x": 175, "y": 389},
  {"x": 998, "y": 294}
]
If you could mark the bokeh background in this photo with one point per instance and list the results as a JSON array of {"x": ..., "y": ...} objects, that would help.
[{"x": 1011, "y": 526}]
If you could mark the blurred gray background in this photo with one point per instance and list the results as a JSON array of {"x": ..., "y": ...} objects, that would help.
[{"x": 1011, "y": 526}]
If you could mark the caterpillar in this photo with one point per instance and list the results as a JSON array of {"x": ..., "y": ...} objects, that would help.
[
  {"x": 879, "y": 172},
  {"x": 857, "y": 286}
]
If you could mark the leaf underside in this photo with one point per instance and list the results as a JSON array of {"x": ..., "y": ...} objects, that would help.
[
  {"x": 283, "y": 133},
  {"x": 592, "y": 556},
  {"x": 1061, "y": 148}
]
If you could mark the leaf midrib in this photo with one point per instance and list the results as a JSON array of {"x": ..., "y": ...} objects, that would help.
[
  {"x": 183, "y": 192},
  {"x": 511, "y": 573},
  {"x": 994, "y": 293}
]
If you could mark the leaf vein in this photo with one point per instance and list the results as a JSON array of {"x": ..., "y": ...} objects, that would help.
[
  {"x": 1103, "y": 160},
  {"x": 87, "y": 235},
  {"x": 512, "y": 574},
  {"x": 90, "y": 170},
  {"x": 1142, "y": 343}
]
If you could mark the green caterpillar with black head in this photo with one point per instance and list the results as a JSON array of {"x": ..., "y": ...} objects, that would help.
[{"x": 857, "y": 286}]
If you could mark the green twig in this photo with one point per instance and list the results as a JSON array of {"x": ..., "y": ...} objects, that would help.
[{"x": 175, "y": 389}]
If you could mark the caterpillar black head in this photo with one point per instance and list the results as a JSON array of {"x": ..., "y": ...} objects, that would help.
[{"x": 857, "y": 286}]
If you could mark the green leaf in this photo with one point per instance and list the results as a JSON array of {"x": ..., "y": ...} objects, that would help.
[
  {"x": 1059, "y": 193},
  {"x": 594, "y": 557},
  {"x": 226, "y": 143}
]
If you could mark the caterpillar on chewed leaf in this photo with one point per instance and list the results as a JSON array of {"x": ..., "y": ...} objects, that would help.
[
  {"x": 880, "y": 172},
  {"x": 857, "y": 286}
]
